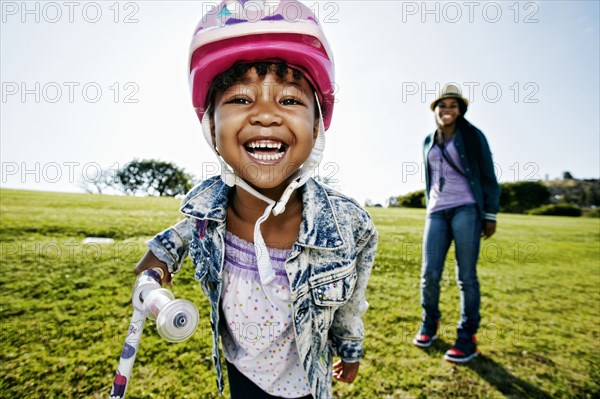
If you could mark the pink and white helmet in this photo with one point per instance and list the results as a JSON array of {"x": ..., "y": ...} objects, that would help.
[
  {"x": 267, "y": 30},
  {"x": 251, "y": 30}
]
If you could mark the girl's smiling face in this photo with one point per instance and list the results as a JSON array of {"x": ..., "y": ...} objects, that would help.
[
  {"x": 447, "y": 111},
  {"x": 265, "y": 127}
]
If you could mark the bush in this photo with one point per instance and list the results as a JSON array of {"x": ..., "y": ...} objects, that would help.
[
  {"x": 557, "y": 210},
  {"x": 524, "y": 195},
  {"x": 415, "y": 199},
  {"x": 592, "y": 213}
]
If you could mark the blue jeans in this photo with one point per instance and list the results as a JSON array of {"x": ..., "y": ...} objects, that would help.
[{"x": 463, "y": 225}]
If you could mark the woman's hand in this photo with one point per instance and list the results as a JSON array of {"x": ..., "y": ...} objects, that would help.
[
  {"x": 149, "y": 261},
  {"x": 489, "y": 228},
  {"x": 345, "y": 372}
]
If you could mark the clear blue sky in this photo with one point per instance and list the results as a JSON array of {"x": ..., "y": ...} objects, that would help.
[{"x": 83, "y": 89}]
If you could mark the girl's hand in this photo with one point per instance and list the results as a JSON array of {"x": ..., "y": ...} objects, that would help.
[
  {"x": 345, "y": 372},
  {"x": 149, "y": 261}
]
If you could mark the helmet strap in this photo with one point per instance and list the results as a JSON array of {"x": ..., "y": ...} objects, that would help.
[{"x": 302, "y": 175}]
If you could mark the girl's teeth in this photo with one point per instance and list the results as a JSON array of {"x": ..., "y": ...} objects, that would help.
[
  {"x": 267, "y": 157},
  {"x": 264, "y": 145}
]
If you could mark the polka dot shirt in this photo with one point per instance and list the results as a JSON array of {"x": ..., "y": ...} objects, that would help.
[{"x": 259, "y": 339}]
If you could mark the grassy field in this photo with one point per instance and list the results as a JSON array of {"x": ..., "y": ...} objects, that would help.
[{"x": 65, "y": 307}]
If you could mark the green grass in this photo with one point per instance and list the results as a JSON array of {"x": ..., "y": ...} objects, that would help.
[{"x": 65, "y": 307}]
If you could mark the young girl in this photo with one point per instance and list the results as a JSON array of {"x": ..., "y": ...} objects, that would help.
[
  {"x": 463, "y": 199},
  {"x": 283, "y": 260}
]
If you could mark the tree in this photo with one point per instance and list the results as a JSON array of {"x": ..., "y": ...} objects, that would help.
[
  {"x": 584, "y": 193},
  {"x": 105, "y": 180},
  {"x": 568, "y": 176},
  {"x": 152, "y": 177}
]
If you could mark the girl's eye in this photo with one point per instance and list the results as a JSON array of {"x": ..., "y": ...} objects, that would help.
[
  {"x": 291, "y": 101},
  {"x": 238, "y": 100}
]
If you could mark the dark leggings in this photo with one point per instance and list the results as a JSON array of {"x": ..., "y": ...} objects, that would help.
[{"x": 242, "y": 388}]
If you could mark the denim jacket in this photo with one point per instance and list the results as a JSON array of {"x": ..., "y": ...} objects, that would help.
[{"x": 328, "y": 269}]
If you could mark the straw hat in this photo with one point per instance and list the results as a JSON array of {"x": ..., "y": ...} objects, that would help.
[{"x": 450, "y": 91}]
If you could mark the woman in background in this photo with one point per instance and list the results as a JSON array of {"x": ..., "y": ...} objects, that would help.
[{"x": 462, "y": 195}]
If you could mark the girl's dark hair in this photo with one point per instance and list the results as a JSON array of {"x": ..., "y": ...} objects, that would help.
[
  {"x": 471, "y": 139},
  {"x": 462, "y": 107},
  {"x": 226, "y": 79},
  {"x": 463, "y": 124}
]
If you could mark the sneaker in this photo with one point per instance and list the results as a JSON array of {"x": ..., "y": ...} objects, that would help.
[
  {"x": 426, "y": 335},
  {"x": 464, "y": 350}
]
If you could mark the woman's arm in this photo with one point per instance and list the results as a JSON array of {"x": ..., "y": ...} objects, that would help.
[{"x": 489, "y": 183}]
